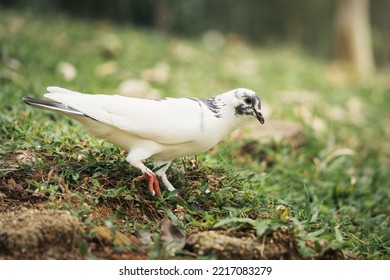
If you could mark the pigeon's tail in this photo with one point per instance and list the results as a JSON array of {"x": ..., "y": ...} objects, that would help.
[{"x": 51, "y": 105}]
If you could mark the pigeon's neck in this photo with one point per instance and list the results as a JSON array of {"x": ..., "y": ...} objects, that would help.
[
  {"x": 223, "y": 117},
  {"x": 230, "y": 117}
]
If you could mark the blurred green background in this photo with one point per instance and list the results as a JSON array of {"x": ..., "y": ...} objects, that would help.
[{"x": 311, "y": 24}]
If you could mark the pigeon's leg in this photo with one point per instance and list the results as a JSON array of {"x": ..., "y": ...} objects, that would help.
[
  {"x": 161, "y": 173},
  {"x": 135, "y": 158},
  {"x": 153, "y": 183},
  {"x": 164, "y": 165}
]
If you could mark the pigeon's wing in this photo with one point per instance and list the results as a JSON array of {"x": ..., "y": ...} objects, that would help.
[{"x": 167, "y": 121}]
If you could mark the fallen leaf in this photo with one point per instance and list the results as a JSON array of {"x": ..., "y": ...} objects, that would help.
[{"x": 172, "y": 237}]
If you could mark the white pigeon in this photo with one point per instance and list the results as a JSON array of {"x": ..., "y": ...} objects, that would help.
[{"x": 160, "y": 129}]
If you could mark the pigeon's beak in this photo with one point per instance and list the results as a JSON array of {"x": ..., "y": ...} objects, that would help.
[{"x": 259, "y": 115}]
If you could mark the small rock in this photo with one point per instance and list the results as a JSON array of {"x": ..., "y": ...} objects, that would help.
[
  {"x": 116, "y": 238},
  {"x": 273, "y": 245},
  {"x": 223, "y": 246}
]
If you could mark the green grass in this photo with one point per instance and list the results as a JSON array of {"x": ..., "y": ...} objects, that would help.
[{"x": 331, "y": 193}]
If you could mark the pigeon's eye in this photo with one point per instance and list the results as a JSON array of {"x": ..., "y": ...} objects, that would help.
[{"x": 248, "y": 100}]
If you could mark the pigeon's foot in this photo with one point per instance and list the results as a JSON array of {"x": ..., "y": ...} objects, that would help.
[{"x": 153, "y": 185}]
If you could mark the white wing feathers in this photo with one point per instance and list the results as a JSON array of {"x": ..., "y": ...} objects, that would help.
[{"x": 166, "y": 121}]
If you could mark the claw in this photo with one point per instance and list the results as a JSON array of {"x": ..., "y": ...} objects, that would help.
[
  {"x": 181, "y": 198},
  {"x": 153, "y": 185}
]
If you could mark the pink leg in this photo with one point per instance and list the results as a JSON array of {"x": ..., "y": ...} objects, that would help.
[{"x": 152, "y": 185}]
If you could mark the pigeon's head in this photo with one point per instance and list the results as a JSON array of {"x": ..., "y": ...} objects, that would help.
[{"x": 245, "y": 103}]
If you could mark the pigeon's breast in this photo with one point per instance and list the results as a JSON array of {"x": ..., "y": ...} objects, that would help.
[
  {"x": 170, "y": 152},
  {"x": 202, "y": 144}
]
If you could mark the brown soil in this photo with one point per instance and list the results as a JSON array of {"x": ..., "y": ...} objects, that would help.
[{"x": 31, "y": 229}]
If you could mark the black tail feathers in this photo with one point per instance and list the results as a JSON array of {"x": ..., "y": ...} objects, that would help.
[{"x": 51, "y": 105}]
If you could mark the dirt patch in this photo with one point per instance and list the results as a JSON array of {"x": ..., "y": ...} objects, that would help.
[
  {"x": 30, "y": 233},
  {"x": 273, "y": 245},
  {"x": 276, "y": 245}
]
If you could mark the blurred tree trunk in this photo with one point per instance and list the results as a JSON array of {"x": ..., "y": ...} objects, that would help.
[
  {"x": 163, "y": 15},
  {"x": 353, "y": 40},
  {"x": 383, "y": 42}
]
